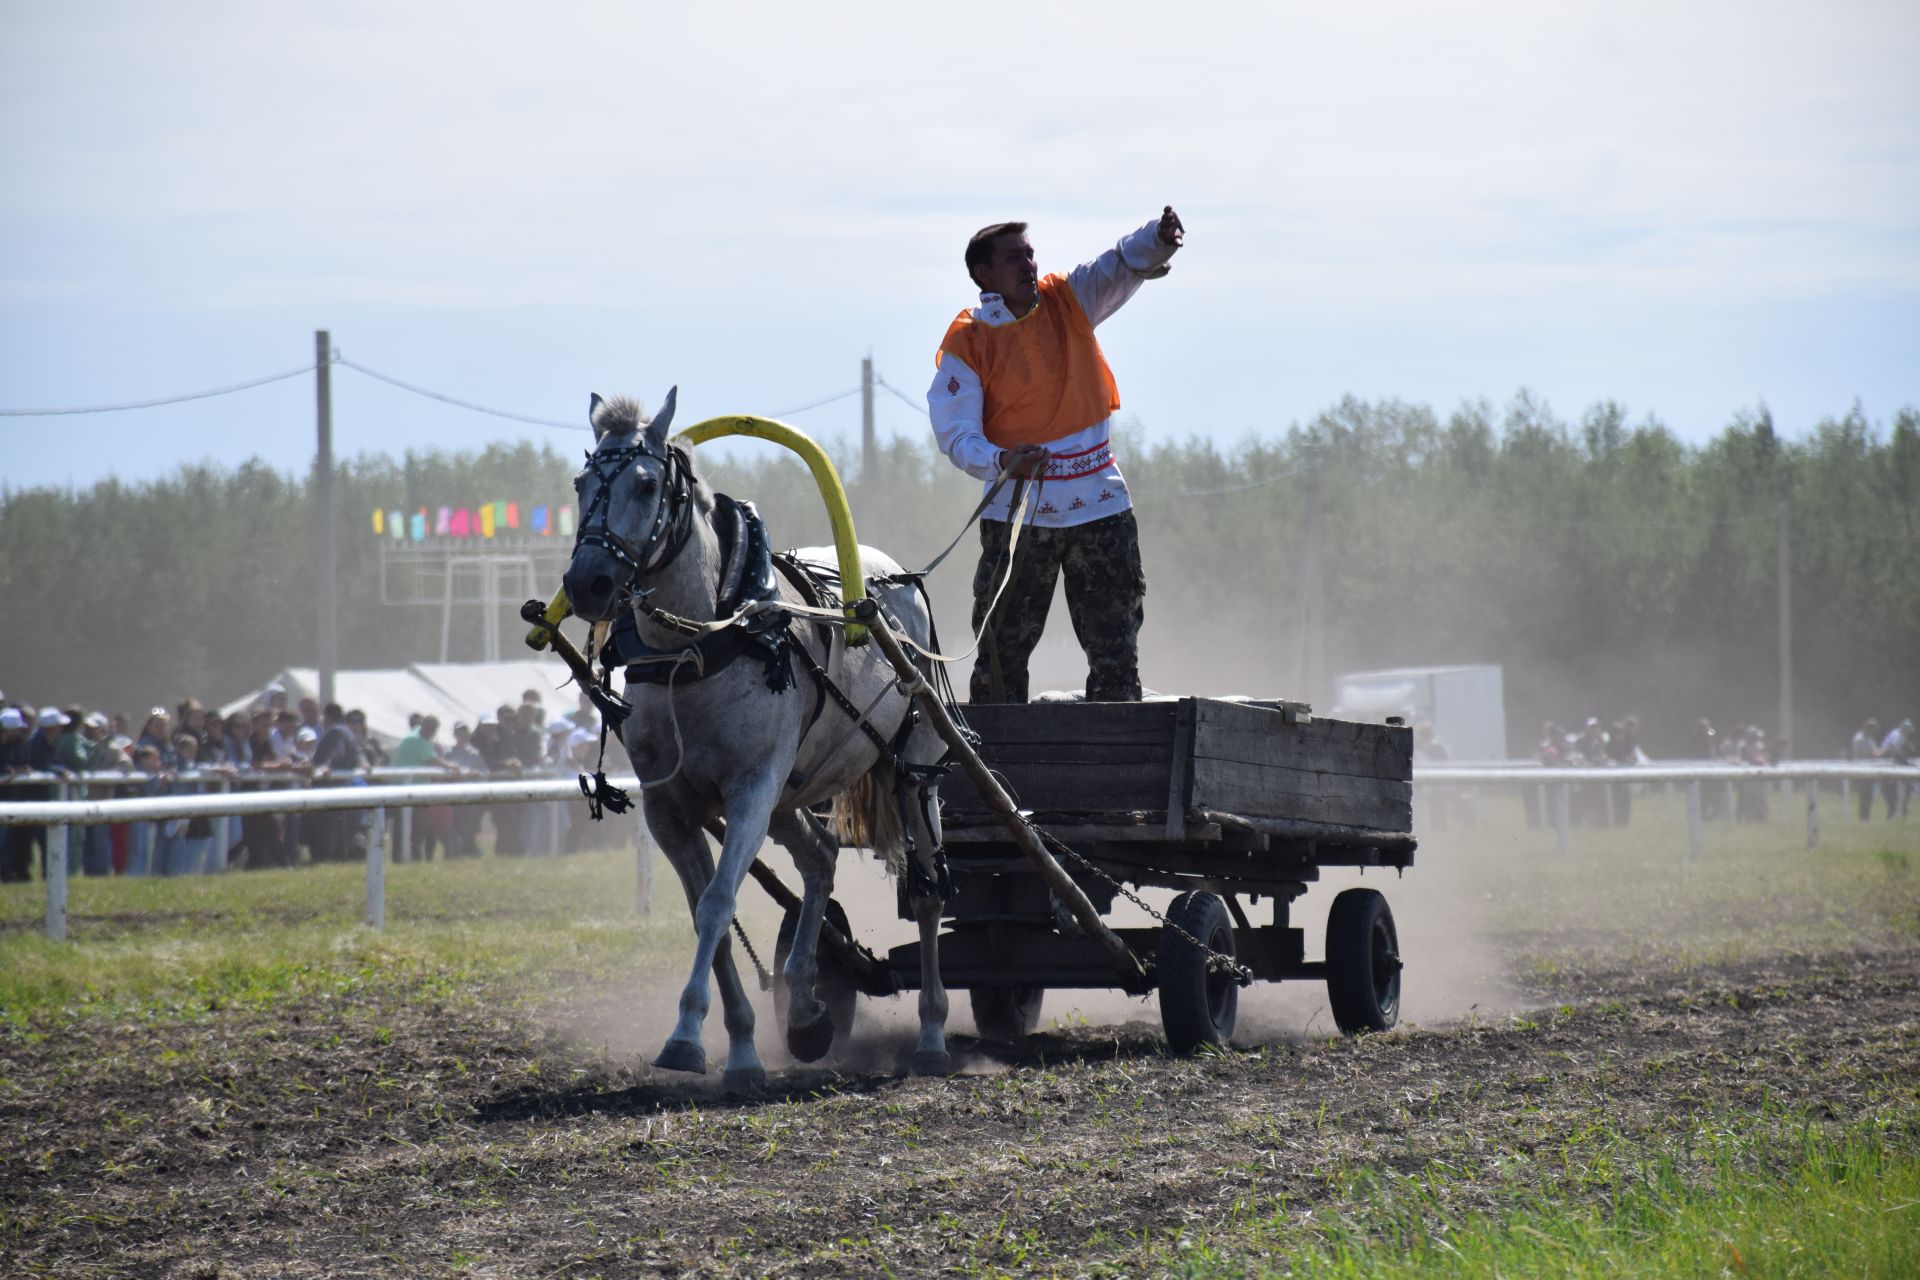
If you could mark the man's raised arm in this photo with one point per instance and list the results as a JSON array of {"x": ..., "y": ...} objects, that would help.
[{"x": 1105, "y": 284}]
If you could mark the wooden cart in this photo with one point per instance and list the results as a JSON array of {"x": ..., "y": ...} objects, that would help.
[{"x": 1218, "y": 800}]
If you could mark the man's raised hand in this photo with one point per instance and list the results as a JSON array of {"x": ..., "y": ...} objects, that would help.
[{"x": 1171, "y": 229}]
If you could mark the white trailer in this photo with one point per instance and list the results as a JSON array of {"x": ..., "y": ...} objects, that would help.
[{"x": 1465, "y": 703}]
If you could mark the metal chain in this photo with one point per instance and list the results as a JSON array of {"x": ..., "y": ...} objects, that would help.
[
  {"x": 1215, "y": 959},
  {"x": 766, "y": 979}
]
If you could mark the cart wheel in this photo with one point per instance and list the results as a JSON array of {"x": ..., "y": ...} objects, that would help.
[
  {"x": 831, "y": 984},
  {"x": 1006, "y": 1013},
  {"x": 1197, "y": 1004},
  {"x": 1363, "y": 962}
]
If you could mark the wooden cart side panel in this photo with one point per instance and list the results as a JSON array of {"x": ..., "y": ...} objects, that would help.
[
  {"x": 1231, "y": 786},
  {"x": 1191, "y": 754},
  {"x": 1072, "y": 756},
  {"x": 1112, "y": 723},
  {"x": 1100, "y": 788},
  {"x": 1245, "y": 760},
  {"x": 1227, "y": 731}
]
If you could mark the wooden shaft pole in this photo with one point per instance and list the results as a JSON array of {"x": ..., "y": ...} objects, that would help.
[{"x": 1134, "y": 976}]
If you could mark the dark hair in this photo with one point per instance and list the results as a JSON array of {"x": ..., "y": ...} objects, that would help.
[{"x": 980, "y": 248}]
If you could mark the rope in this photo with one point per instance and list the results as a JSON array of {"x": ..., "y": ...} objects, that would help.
[
  {"x": 1012, "y": 545},
  {"x": 677, "y": 659},
  {"x": 1020, "y": 518}
]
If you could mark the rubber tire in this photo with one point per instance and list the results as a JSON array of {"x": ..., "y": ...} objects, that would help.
[
  {"x": 1007, "y": 1014},
  {"x": 1363, "y": 962},
  {"x": 1197, "y": 1007},
  {"x": 831, "y": 985}
]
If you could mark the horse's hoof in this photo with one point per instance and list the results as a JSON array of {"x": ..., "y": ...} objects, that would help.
[
  {"x": 746, "y": 1080},
  {"x": 932, "y": 1062},
  {"x": 683, "y": 1055},
  {"x": 811, "y": 1042}
]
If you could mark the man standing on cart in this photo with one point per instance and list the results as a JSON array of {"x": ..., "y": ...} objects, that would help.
[{"x": 1023, "y": 389}]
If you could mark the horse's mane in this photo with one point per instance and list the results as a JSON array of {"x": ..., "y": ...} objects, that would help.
[{"x": 619, "y": 415}]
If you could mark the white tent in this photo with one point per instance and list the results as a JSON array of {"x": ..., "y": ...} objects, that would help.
[
  {"x": 451, "y": 691},
  {"x": 479, "y": 687}
]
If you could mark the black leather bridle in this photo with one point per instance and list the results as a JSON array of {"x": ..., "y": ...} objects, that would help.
[{"x": 672, "y": 516}]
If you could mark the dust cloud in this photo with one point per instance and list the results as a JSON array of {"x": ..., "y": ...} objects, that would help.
[{"x": 1454, "y": 971}]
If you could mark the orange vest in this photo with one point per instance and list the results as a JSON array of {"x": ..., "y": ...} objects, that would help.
[{"x": 1043, "y": 375}]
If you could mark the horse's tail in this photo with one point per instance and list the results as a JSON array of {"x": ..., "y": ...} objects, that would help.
[{"x": 866, "y": 816}]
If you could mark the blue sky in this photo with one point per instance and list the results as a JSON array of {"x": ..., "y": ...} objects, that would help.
[{"x": 1688, "y": 208}]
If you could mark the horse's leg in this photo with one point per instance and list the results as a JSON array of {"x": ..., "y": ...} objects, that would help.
[
  {"x": 748, "y": 804},
  {"x": 809, "y": 1029},
  {"x": 685, "y": 845},
  {"x": 924, "y": 884}
]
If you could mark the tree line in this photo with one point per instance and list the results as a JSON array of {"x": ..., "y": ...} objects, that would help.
[{"x": 1609, "y": 567}]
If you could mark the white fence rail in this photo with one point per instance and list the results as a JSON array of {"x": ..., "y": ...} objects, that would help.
[
  {"x": 1556, "y": 786},
  {"x": 380, "y": 790},
  {"x": 332, "y": 796}
]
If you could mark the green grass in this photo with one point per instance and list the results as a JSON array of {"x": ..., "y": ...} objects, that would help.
[
  {"x": 1759, "y": 1192},
  {"x": 250, "y": 939},
  {"x": 1623, "y": 897},
  {"x": 1803, "y": 1204},
  {"x": 1632, "y": 895}
]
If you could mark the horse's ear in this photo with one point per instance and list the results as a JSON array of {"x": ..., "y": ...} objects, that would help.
[
  {"x": 593, "y": 413},
  {"x": 657, "y": 427}
]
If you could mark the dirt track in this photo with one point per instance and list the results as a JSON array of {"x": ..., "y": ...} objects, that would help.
[{"x": 378, "y": 1136}]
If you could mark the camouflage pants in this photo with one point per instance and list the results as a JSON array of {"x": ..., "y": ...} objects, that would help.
[{"x": 1106, "y": 588}]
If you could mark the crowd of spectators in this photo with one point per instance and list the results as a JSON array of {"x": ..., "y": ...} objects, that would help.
[
  {"x": 1595, "y": 745},
  {"x": 280, "y": 741},
  {"x": 1899, "y": 745}
]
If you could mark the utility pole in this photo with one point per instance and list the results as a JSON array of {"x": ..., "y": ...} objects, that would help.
[
  {"x": 866, "y": 421},
  {"x": 1786, "y": 636},
  {"x": 868, "y": 474},
  {"x": 1310, "y": 665},
  {"x": 324, "y": 631}
]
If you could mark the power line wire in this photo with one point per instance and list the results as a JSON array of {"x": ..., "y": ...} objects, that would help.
[
  {"x": 918, "y": 406},
  {"x": 784, "y": 413},
  {"x": 163, "y": 400},
  {"x": 455, "y": 400}
]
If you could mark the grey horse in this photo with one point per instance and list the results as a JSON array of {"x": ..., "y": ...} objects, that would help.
[{"x": 713, "y": 738}]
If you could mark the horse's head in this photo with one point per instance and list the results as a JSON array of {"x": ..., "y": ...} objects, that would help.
[{"x": 635, "y": 505}]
